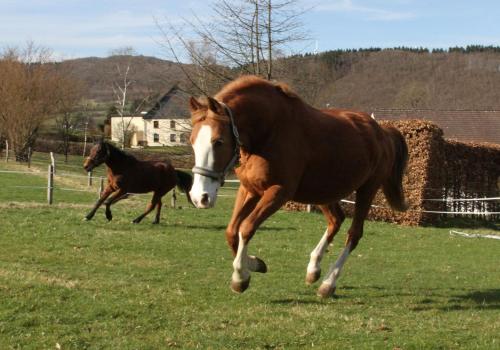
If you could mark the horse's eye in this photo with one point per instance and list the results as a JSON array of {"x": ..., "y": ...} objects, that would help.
[{"x": 218, "y": 142}]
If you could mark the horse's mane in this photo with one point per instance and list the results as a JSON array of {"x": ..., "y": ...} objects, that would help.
[
  {"x": 115, "y": 150},
  {"x": 247, "y": 82}
]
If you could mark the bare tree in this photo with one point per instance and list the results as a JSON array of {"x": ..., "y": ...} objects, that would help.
[
  {"x": 244, "y": 35},
  {"x": 30, "y": 88},
  {"x": 121, "y": 89}
]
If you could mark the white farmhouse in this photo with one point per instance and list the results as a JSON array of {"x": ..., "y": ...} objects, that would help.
[{"x": 166, "y": 124}]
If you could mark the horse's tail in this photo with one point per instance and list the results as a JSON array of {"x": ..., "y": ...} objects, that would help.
[
  {"x": 184, "y": 183},
  {"x": 393, "y": 186}
]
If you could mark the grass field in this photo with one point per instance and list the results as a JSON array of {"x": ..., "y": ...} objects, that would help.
[{"x": 69, "y": 284}]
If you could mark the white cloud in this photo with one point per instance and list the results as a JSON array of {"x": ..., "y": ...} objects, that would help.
[{"x": 370, "y": 13}]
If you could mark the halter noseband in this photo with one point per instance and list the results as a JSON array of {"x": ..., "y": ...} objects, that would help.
[{"x": 221, "y": 175}]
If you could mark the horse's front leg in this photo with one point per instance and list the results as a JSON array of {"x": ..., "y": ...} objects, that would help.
[
  {"x": 105, "y": 194},
  {"x": 243, "y": 264},
  {"x": 115, "y": 197}
]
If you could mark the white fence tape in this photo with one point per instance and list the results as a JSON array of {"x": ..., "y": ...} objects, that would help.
[
  {"x": 473, "y": 235},
  {"x": 462, "y": 199}
]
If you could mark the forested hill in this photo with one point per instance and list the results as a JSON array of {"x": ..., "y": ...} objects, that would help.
[
  {"x": 392, "y": 78},
  {"x": 402, "y": 78},
  {"x": 149, "y": 75}
]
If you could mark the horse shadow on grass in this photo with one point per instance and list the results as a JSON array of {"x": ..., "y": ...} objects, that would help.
[
  {"x": 223, "y": 227},
  {"x": 487, "y": 299}
]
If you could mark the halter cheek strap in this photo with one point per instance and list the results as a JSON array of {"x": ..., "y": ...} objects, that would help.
[{"x": 221, "y": 175}]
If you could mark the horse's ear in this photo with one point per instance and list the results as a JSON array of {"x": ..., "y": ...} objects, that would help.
[
  {"x": 215, "y": 106},
  {"x": 194, "y": 104}
]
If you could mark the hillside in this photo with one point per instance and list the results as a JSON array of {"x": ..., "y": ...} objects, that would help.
[
  {"x": 150, "y": 75},
  {"x": 361, "y": 79},
  {"x": 401, "y": 79}
]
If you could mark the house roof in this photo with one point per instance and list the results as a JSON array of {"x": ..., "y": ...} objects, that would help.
[
  {"x": 173, "y": 105},
  {"x": 462, "y": 125}
]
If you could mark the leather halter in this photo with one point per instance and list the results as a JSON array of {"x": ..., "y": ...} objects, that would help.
[{"x": 221, "y": 175}]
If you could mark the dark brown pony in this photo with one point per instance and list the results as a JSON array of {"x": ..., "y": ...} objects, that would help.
[
  {"x": 127, "y": 175},
  {"x": 291, "y": 151}
]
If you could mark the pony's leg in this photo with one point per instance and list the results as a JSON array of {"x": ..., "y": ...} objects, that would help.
[
  {"x": 334, "y": 215},
  {"x": 158, "y": 211},
  {"x": 270, "y": 202},
  {"x": 154, "y": 201},
  {"x": 105, "y": 194},
  {"x": 115, "y": 197},
  {"x": 364, "y": 197},
  {"x": 245, "y": 202}
]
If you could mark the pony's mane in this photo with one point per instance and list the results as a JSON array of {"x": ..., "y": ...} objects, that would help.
[
  {"x": 119, "y": 152},
  {"x": 251, "y": 81}
]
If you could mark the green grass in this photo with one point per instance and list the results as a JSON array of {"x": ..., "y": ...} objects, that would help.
[{"x": 114, "y": 285}]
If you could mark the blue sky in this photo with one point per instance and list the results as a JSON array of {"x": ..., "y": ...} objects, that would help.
[{"x": 79, "y": 28}]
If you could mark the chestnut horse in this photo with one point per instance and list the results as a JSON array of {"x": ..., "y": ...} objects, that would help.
[
  {"x": 289, "y": 150},
  {"x": 127, "y": 175}
]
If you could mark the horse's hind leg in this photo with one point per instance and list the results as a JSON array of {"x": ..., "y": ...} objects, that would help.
[
  {"x": 334, "y": 215},
  {"x": 158, "y": 211},
  {"x": 364, "y": 197},
  {"x": 154, "y": 202}
]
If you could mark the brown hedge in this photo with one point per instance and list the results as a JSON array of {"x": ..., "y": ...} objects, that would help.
[{"x": 438, "y": 168}]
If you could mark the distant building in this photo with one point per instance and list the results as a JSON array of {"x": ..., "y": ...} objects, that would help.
[
  {"x": 461, "y": 125},
  {"x": 167, "y": 123}
]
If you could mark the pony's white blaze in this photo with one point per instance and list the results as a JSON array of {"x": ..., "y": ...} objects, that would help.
[{"x": 204, "y": 190}]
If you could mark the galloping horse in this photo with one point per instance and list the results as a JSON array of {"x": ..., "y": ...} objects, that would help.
[
  {"x": 291, "y": 151},
  {"x": 126, "y": 175}
]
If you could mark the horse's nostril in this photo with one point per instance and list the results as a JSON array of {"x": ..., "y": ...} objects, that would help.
[{"x": 204, "y": 199}]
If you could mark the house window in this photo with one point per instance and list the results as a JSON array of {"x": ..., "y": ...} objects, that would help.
[
  {"x": 172, "y": 124},
  {"x": 156, "y": 137},
  {"x": 183, "y": 138},
  {"x": 156, "y": 124},
  {"x": 172, "y": 137}
]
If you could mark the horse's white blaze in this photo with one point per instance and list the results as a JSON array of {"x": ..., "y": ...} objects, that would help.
[
  {"x": 240, "y": 264},
  {"x": 317, "y": 255},
  {"x": 204, "y": 157},
  {"x": 333, "y": 274}
]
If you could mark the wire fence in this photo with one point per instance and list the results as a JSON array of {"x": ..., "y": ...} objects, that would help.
[{"x": 227, "y": 191}]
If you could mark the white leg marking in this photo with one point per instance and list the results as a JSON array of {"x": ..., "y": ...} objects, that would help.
[
  {"x": 240, "y": 264},
  {"x": 333, "y": 274},
  {"x": 317, "y": 254}
]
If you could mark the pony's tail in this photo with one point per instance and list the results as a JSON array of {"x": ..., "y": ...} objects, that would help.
[
  {"x": 393, "y": 186},
  {"x": 184, "y": 183}
]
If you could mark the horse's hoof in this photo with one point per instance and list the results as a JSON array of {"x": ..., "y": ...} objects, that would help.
[
  {"x": 260, "y": 265},
  {"x": 312, "y": 277},
  {"x": 87, "y": 218},
  {"x": 156, "y": 222},
  {"x": 326, "y": 290},
  {"x": 240, "y": 287},
  {"x": 109, "y": 217}
]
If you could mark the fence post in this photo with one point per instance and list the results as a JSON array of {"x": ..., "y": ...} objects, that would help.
[
  {"x": 29, "y": 157},
  {"x": 6, "y": 150},
  {"x": 308, "y": 208},
  {"x": 53, "y": 162},
  {"x": 89, "y": 181},
  {"x": 174, "y": 199},
  {"x": 101, "y": 186},
  {"x": 50, "y": 184}
]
